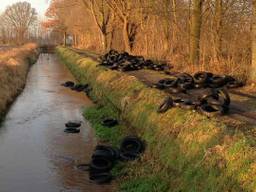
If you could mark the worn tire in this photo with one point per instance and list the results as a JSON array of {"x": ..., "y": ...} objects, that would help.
[
  {"x": 101, "y": 178},
  {"x": 167, "y": 104},
  {"x": 132, "y": 144}
]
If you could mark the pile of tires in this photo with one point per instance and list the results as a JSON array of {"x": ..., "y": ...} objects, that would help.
[
  {"x": 105, "y": 157},
  {"x": 126, "y": 62},
  {"x": 210, "y": 80},
  {"x": 211, "y": 103},
  {"x": 73, "y": 127},
  {"x": 183, "y": 82}
]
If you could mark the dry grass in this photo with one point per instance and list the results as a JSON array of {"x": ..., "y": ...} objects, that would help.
[{"x": 14, "y": 65}]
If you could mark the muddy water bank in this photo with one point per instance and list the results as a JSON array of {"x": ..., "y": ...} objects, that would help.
[{"x": 35, "y": 153}]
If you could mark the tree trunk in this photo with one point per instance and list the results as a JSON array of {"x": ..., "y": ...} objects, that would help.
[
  {"x": 65, "y": 39},
  {"x": 127, "y": 45},
  {"x": 253, "y": 66},
  {"x": 218, "y": 28},
  {"x": 195, "y": 31},
  {"x": 104, "y": 41}
]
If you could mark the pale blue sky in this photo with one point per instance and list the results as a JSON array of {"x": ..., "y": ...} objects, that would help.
[{"x": 39, "y": 5}]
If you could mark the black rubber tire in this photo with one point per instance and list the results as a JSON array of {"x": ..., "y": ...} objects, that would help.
[
  {"x": 199, "y": 86},
  {"x": 129, "y": 156},
  {"x": 132, "y": 144},
  {"x": 68, "y": 84},
  {"x": 174, "y": 90},
  {"x": 107, "y": 152},
  {"x": 109, "y": 122},
  {"x": 73, "y": 124},
  {"x": 217, "y": 81},
  {"x": 201, "y": 77},
  {"x": 167, "y": 104},
  {"x": 185, "y": 86},
  {"x": 101, "y": 164},
  {"x": 177, "y": 102},
  {"x": 224, "y": 94},
  {"x": 101, "y": 178},
  {"x": 187, "y": 104},
  {"x": 234, "y": 84},
  {"x": 72, "y": 130},
  {"x": 168, "y": 82},
  {"x": 209, "y": 111}
]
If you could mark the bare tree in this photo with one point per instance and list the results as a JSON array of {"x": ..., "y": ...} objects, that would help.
[
  {"x": 103, "y": 17},
  {"x": 195, "y": 31},
  {"x": 20, "y": 16},
  {"x": 126, "y": 12}
]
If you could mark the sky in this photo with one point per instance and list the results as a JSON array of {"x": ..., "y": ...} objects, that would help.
[{"x": 39, "y": 5}]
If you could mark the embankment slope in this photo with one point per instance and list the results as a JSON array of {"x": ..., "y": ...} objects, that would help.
[{"x": 188, "y": 151}]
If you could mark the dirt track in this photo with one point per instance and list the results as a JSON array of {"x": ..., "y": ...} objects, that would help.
[{"x": 243, "y": 105}]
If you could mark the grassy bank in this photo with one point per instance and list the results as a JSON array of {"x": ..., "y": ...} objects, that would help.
[
  {"x": 14, "y": 65},
  {"x": 185, "y": 151}
]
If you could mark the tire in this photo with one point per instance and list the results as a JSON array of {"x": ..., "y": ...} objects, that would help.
[
  {"x": 107, "y": 152},
  {"x": 72, "y": 130},
  {"x": 170, "y": 82},
  {"x": 234, "y": 84},
  {"x": 101, "y": 164},
  {"x": 217, "y": 81},
  {"x": 210, "y": 111},
  {"x": 68, "y": 84},
  {"x": 129, "y": 156},
  {"x": 109, "y": 122},
  {"x": 101, "y": 178},
  {"x": 222, "y": 93},
  {"x": 199, "y": 86},
  {"x": 132, "y": 144},
  {"x": 167, "y": 104},
  {"x": 187, "y": 104},
  {"x": 201, "y": 77},
  {"x": 174, "y": 90},
  {"x": 185, "y": 86},
  {"x": 177, "y": 102},
  {"x": 73, "y": 124}
]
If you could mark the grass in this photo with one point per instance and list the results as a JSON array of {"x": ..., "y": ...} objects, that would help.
[
  {"x": 147, "y": 182},
  {"x": 14, "y": 65},
  {"x": 185, "y": 150}
]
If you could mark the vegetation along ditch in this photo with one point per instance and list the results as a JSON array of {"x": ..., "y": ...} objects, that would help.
[
  {"x": 185, "y": 151},
  {"x": 14, "y": 66}
]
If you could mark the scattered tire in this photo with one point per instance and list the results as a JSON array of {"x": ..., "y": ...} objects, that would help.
[
  {"x": 210, "y": 111},
  {"x": 187, "y": 104},
  {"x": 132, "y": 144},
  {"x": 109, "y": 122},
  {"x": 68, "y": 84},
  {"x": 101, "y": 178},
  {"x": 128, "y": 156},
  {"x": 72, "y": 130},
  {"x": 101, "y": 164},
  {"x": 167, "y": 104},
  {"x": 106, "y": 152},
  {"x": 73, "y": 124},
  {"x": 202, "y": 77}
]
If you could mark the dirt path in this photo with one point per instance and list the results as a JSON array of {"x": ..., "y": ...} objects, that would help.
[{"x": 36, "y": 155}]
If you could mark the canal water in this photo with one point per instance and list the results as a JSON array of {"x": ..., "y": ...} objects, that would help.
[{"x": 35, "y": 154}]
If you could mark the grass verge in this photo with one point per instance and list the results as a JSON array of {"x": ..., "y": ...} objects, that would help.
[{"x": 185, "y": 150}]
